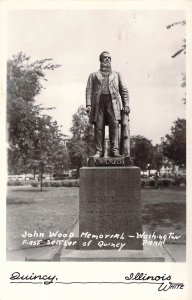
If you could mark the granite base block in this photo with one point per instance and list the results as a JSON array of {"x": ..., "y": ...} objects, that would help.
[
  {"x": 110, "y": 203},
  {"x": 148, "y": 254}
]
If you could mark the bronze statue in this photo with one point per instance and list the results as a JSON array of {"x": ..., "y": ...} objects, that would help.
[{"x": 105, "y": 92}]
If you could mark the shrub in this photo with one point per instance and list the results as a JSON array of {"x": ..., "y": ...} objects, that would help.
[
  {"x": 61, "y": 183},
  {"x": 46, "y": 184},
  {"x": 15, "y": 183},
  {"x": 152, "y": 182},
  {"x": 177, "y": 181},
  {"x": 56, "y": 184},
  {"x": 74, "y": 183},
  {"x": 165, "y": 182},
  {"x": 142, "y": 183},
  {"x": 71, "y": 183},
  {"x": 34, "y": 184},
  {"x": 65, "y": 183}
]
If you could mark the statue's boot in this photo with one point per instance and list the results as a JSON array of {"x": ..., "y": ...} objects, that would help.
[
  {"x": 97, "y": 154},
  {"x": 115, "y": 154}
]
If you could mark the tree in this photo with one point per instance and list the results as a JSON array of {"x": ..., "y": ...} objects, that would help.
[
  {"x": 23, "y": 85},
  {"x": 80, "y": 121},
  {"x": 183, "y": 84},
  {"x": 157, "y": 158},
  {"x": 45, "y": 145},
  {"x": 34, "y": 139},
  {"x": 174, "y": 144},
  {"x": 81, "y": 146},
  {"x": 183, "y": 46},
  {"x": 142, "y": 151},
  {"x": 178, "y": 52},
  {"x": 60, "y": 160},
  {"x": 77, "y": 153}
]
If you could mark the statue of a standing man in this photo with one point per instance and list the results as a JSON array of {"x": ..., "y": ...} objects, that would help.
[{"x": 104, "y": 93}]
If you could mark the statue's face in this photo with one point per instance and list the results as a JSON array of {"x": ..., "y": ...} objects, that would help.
[{"x": 106, "y": 58}]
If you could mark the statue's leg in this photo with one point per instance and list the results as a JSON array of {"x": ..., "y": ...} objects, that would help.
[
  {"x": 103, "y": 139},
  {"x": 99, "y": 129},
  {"x": 114, "y": 137},
  {"x": 98, "y": 139},
  {"x": 113, "y": 129}
]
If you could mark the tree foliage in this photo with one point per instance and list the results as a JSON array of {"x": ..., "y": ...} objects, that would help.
[
  {"x": 81, "y": 146},
  {"x": 178, "y": 52},
  {"x": 174, "y": 144},
  {"x": 32, "y": 134},
  {"x": 183, "y": 46},
  {"x": 142, "y": 151},
  {"x": 157, "y": 158},
  {"x": 80, "y": 123}
]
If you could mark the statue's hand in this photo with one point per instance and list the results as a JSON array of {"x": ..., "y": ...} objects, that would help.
[
  {"x": 126, "y": 109},
  {"x": 88, "y": 109}
]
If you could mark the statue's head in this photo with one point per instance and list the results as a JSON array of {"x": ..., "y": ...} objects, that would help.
[{"x": 105, "y": 57}]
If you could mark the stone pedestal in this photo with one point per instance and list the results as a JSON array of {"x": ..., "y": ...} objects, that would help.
[{"x": 110, "y": 208}]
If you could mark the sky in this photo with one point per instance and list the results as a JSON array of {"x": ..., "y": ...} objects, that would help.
[{"x": 141, "y": 48}]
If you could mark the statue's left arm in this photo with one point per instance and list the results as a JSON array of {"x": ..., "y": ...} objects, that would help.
[{"x": 123, "y": 92}]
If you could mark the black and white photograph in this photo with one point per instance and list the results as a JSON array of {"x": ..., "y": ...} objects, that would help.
[{"x": 96, "y": 174}]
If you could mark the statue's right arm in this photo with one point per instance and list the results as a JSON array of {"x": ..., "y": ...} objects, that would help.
[{"x": 89, "y": 90}]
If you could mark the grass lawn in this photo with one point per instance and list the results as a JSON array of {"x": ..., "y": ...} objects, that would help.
[
  {"x": 30, "y": 209},
  {"x": 164, "y": 211},
  {"x": 55, "y": 209}
]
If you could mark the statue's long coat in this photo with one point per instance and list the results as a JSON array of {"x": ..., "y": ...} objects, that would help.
[{"x": 118, "y": 91}]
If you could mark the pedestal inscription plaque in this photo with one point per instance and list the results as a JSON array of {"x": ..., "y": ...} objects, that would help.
[{"x": 110, "y": 208}]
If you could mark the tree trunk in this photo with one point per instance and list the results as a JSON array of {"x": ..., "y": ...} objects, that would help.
[{"x": 41, "y": 176}]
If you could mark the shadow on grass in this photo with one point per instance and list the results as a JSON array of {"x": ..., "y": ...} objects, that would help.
[
  {"x": 166, "y": 215},
  {"x": 19, "y": 202},
  {"x": 29, "y": 190}
]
